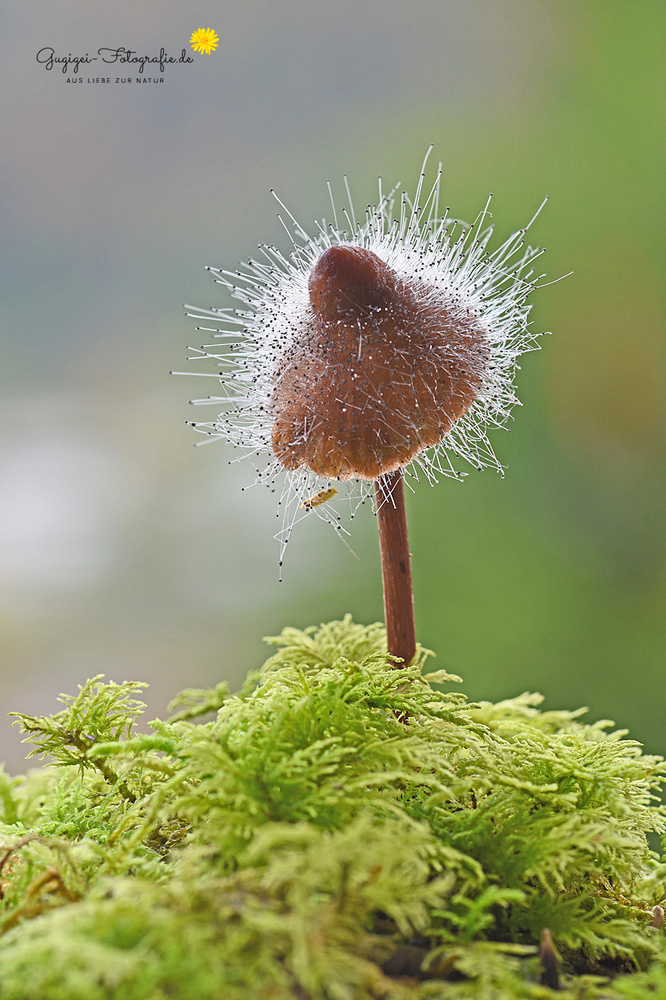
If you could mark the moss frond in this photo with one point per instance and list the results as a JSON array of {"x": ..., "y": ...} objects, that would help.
[{"x": 344, "y": 829}]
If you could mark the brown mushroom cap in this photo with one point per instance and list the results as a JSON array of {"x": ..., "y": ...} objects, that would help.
[{"x": 379, "y": 370}]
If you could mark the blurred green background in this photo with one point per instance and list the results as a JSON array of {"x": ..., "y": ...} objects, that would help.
[{"x": 126, "y": 551}]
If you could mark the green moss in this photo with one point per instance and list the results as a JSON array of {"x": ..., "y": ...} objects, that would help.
[{"x": 345, "y": 828}]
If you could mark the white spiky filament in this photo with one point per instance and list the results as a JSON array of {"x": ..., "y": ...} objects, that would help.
[{"x": 421, "y": 247}]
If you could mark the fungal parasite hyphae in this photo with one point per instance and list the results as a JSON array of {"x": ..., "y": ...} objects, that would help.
[{"x": 376, "y": 346}]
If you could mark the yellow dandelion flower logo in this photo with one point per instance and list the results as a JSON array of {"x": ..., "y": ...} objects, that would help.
[{"x": 204, "y": 40}]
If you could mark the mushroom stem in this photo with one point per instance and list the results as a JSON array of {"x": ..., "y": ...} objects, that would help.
[{"x": 396, "y": 566}]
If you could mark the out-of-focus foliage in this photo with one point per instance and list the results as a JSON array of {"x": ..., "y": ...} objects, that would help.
[
  {"x": 342, "y": 830},
  {"x": 122, "y": 546},
  {"x": 559, "y": 571}
]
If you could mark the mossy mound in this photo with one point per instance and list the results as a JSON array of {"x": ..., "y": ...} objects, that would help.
[{"x": 344, "y": 829}]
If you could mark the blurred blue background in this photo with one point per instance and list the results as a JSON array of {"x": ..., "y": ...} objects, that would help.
[{"x": 126, "y": 551}]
